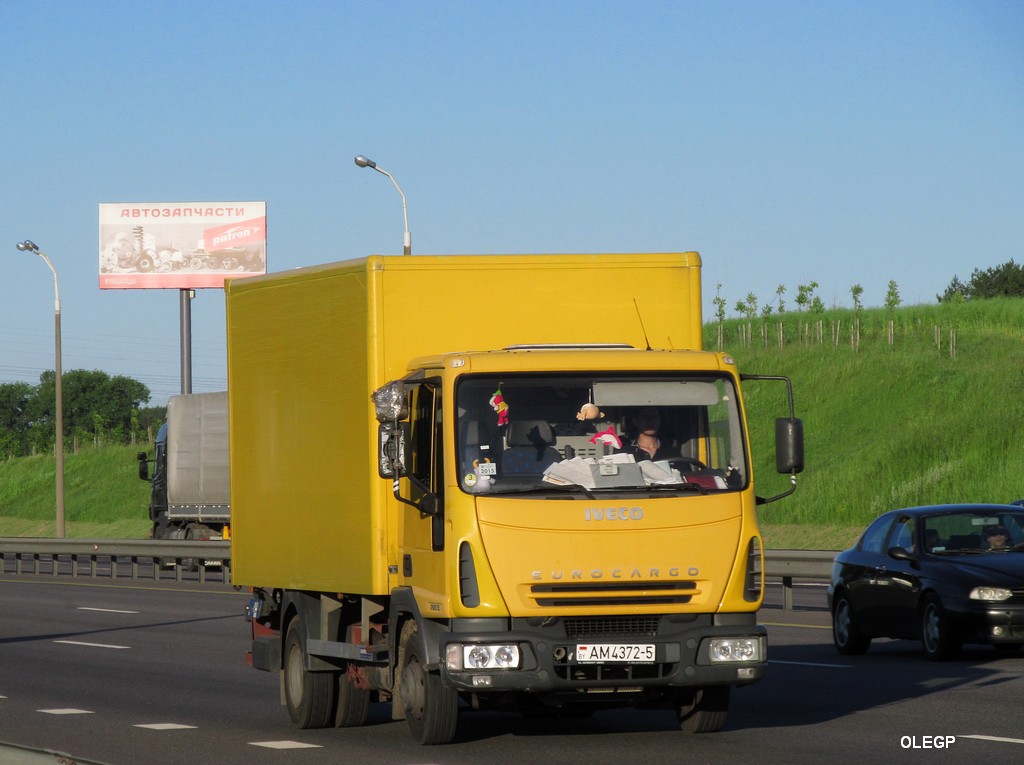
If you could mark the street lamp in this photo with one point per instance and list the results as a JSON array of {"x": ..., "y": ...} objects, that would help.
[
  {"x": 364, "y": 162},
  {"x": 28, "y": 246}
]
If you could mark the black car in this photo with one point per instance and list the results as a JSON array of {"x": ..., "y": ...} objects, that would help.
[{"x": 942, "y": 574}]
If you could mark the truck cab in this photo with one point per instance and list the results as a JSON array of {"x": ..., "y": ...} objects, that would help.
[{"x": 589, "y": 535}]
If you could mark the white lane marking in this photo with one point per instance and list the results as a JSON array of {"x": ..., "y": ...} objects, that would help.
[
  {"x": 106, "y": 610},
  {"x": 65, "y": 711},
  {"x": 164, "y": 726},
  {"x": 91, "y": 645},
  {"x": 284, "y": 745},
  {"x": 1000, "y": 739},
  {"x": 799, "y": 626},
  {"x": 811, "y": 664}
]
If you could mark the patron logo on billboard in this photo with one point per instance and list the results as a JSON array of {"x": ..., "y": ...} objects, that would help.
[
  {"x": 181, "y": 245},
  {"x": 250, "y": 232}
]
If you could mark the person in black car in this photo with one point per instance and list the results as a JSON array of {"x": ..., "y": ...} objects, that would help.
[{"x": 997, "y": 537}]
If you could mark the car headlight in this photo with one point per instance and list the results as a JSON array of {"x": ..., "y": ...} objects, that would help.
[
  {"x": 734, "y": 649},
  {"x": 459, "y": 656},
  {"x": 997, "y": 594}
]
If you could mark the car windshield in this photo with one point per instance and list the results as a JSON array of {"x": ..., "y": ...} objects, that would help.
[
  {"x": 973, "y": 532},
  {"x": 588, "y": 433}
]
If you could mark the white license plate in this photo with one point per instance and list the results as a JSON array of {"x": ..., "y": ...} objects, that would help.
[{"x": 615, "y": 653}]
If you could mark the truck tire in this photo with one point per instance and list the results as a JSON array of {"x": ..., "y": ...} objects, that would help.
[
  {"x": 707, "y": 711},
  {"x": 310, "y": 696},
  {"x": 353, "y": 704},
  {"x": 431, "y": 710},
  {"x": 190, "y": 565}
]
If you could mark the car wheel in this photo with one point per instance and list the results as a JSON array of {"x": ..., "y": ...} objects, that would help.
[
  {"x": 846, "y": 634},
  {"x": 937, "y": 634}
]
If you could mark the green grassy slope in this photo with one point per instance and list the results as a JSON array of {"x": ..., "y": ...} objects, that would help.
[
  {"x": 890, "y": 425},
  {"x": 103, "y": 496},
  {"x": 887, "y": 425}
]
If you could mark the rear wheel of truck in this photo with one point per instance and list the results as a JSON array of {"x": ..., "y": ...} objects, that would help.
[
  {"x": 706, "y": 711},
  {"x": 353, "y": 704},
  {"x": 310, "y": 696},
  {"x": 190, "y": 564},
  {"x": 431, "y": 710}
]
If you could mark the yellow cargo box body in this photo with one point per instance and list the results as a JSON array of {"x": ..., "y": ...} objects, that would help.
[{"x": 307, "y": 348}]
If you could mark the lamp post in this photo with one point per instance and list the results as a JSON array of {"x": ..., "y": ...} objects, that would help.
[
  {"x": 28, "y": 246},
  {"x": 362, "y": 161}
]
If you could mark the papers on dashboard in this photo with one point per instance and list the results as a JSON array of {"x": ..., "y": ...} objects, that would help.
[
  {"x": 610, "y": 471},
  {"x": 659, "y": 472}
]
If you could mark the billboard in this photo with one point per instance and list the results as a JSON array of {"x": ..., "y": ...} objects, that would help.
[{"x": 181, "y": 245}]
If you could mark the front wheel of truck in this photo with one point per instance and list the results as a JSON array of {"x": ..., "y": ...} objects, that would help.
[
  {"x": 431, "y": 710},
  {"x": 310, "y": 696},
  {"x": 705, "y": 711}
]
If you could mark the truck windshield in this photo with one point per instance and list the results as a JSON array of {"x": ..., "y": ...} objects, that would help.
[{"x": 587, "y": 433}]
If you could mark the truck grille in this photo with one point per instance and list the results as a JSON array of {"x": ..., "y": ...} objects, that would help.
[
  {"x": 560, "y": 595},
  {"x": 586, "y": 627}
]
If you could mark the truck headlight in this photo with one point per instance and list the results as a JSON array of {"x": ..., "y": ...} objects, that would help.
[
  {"x": 734, "y": 649},
  {"x": 991, "y": 593},
  {"x": 459, "y": 656}
]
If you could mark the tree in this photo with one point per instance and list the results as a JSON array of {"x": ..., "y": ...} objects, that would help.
[
  {"x": 805, "y": 296},
  {"x": 779, "y": 292},
  {"x": 13, "y": 400},
  {"x": 95, "y": 404},
  {"x": 748, "y": 307},
  {"x": 719, "y": 303},
  {"x": 892, "y": 297},
  {"x": 1006, "y": 280},
  {"x": 856, "y": 291},
  {"x": 956, "y": 292}
]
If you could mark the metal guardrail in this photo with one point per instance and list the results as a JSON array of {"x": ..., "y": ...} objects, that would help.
[
  {"x": 163, "y": 559},
  {"x": 118, "y": 558},
  {"x": 788, "y": 565}
]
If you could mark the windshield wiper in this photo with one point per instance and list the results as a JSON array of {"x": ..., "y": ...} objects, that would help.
[
  {"x": 966, "y": 550},
  {"x": 595, "y": 492}
]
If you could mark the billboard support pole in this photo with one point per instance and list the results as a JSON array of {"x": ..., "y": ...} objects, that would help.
[{"x": 186, "y": 339}]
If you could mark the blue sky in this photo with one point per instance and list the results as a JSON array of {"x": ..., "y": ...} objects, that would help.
[{"x": 788, "y": 142}]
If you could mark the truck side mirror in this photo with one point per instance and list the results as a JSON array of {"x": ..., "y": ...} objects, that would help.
[
  {"x": 789, "y": 445},
  {"x": 391, "y": 440},
  {"x": 143, "y": 466}
]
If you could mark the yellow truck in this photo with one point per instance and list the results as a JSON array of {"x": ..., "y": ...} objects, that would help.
[{"x": 494, "y": 482}]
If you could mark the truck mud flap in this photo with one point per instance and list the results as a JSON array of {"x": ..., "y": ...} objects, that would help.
[{"x": 266, "y": 653}]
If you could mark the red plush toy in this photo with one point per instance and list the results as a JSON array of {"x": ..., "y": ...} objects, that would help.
[{"x": 499, "y": 406}]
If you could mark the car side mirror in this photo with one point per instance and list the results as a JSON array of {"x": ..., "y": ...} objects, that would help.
[{"x": 901, "y": 553}]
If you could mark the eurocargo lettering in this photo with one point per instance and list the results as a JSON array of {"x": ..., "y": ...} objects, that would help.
[{"x": 426, "y": 450}]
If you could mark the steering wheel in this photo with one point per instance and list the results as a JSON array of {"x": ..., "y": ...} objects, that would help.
[{"x": 695, "y": 465}]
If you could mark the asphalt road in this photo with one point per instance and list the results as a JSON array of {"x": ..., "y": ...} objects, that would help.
[{"x": 140, "y": 673}]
